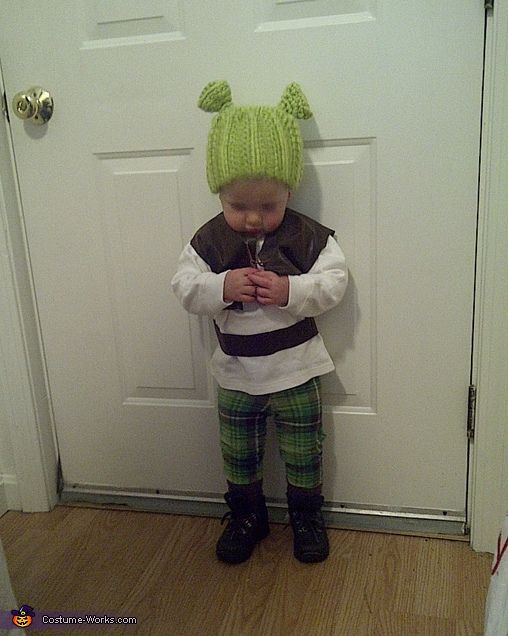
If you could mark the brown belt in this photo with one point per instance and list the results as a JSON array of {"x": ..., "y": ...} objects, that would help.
[{"x": 264, "y": 344}]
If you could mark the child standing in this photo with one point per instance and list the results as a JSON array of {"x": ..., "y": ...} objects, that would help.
[{"x": 262, "y": 271}]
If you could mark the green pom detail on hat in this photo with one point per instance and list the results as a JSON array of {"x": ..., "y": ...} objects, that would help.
[
  {"x": 294, "y": 102},
  {"x": 214, "y": 96},
  {"x": 254, "y": 141}
]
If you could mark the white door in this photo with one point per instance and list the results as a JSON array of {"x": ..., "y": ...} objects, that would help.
[{"x": 114, "y": 185}]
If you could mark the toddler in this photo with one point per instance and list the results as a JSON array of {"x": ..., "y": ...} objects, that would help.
[{"x": 261, "y": 271}]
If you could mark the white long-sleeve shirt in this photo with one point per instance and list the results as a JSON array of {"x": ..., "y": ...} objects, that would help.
[{"x": 201, "y": 292}]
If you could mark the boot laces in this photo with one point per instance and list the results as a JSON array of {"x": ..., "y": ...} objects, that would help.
[
  {"x": 307, "y": 523},
  {"x": 239, "y": 524}
]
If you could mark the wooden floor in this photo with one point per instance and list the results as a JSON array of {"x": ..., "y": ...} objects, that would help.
[{"x": 162, "y": 570}]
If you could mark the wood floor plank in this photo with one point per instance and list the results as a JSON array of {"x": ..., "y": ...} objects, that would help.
[{"x": 162, "y": 569}]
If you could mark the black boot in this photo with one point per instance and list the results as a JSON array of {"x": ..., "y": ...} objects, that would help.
[
  {"x": 247, "y": 525},
  {"x": 310, "y": 538}
]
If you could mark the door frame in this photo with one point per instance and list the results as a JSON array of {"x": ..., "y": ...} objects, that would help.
[
  {"x": 488, "y": 503},
  {"x": 28, "y": 454},
  {"x": 28, "y": 481}
]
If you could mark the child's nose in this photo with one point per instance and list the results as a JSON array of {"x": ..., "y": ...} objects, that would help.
[{"x": 253, "y": 219}]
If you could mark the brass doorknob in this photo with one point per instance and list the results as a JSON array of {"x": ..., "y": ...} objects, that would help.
[{"x": 36, "y": 104}]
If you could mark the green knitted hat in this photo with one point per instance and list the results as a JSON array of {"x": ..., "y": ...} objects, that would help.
[{"x": 254, "y": 141}]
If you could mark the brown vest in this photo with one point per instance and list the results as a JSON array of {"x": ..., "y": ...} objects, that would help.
[{"x": 291, "y": 250}]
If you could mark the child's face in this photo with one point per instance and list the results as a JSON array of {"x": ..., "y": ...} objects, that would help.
[{"x": 254, "y": 207}]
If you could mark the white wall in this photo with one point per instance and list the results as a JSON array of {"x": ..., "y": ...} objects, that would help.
[{"x": 8, "y": 480}]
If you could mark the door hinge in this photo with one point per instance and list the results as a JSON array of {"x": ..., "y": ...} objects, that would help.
[
  {"x": 471, "y": 411},
  {"x": 5, "y": 110},
  {"x": 489, "y": 5}
]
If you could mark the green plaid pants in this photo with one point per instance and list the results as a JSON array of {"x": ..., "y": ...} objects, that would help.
[{"x": 297, "y": 416}]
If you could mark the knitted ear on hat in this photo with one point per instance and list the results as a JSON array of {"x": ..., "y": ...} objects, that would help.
[
  {"x": 214, "y": 96},
  {"x": 294, "y": 102}
]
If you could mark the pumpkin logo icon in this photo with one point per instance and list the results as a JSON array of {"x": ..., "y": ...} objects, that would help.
[{"x": 23, "y": 617}]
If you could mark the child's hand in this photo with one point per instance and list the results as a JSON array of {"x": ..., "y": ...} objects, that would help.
[
  {"x": 271, "y": 289},
  {"x": 238, "y": 286}
]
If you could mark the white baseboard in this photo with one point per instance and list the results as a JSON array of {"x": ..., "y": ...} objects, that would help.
[{"x": 10, "y": 498}]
